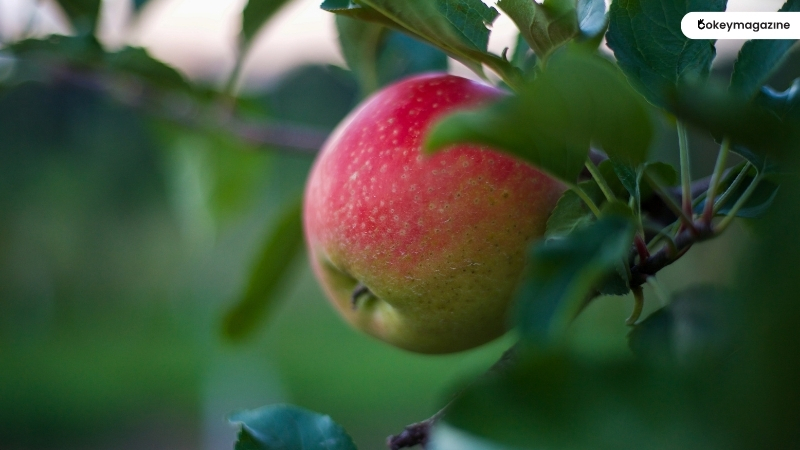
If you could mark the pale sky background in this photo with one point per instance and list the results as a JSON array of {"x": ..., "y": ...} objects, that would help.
[{"x": 198, "y": 36}]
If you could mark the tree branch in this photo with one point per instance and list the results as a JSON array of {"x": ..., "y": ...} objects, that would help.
[{"x": 183, "y": 110}]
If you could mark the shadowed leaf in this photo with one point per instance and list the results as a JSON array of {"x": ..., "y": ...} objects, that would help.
[
  {"x": 284, "y": 242},
  {"x": 287, "y": 427}
]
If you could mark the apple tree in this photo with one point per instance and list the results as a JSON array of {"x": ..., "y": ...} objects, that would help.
[
  {"x": 710, "y": 367},
  {"x": 714, "y": 367}
]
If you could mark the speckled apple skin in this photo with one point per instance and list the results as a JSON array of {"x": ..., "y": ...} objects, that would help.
[{"x": 439, "y": 240}]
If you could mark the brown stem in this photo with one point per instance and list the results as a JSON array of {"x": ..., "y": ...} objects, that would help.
[
  {"x": 419, "y": 433},
  {"x": 183, "y": 110}
]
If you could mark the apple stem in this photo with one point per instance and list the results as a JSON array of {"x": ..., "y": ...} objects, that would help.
[
  {"x": 358, "y": 292},
  {"x": 720, "y": 201},
  {"x": 686, "y": 176},
  {"x": 708, "y": 211}
]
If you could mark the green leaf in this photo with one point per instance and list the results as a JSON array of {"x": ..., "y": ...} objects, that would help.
[
  {"x": 283, "y": 243},
  {"x": 785, "y": 105},
  {"x": 761, "y": 162},
  {"x": 557, "y": 401},
  {"x": 571, "y": 211},
  {"x": 255, "y": 14},
  {"x": 82, "y": 13},
  {"x": 523, "y": 57},
  {"x": 139, "y": 4},
  {"x": 287, "y": 427},
  {"x": 627, "y": 176},
  {"x": 660, "y": 172},
  {"x": 591, "y": 17},
  {"x": 401, "y": 56},
  {"x": 751, "y": 125},
  {"x": 693, "y": 329},
  {"x": 470, "y": 18},
  {"x": 650, "y": 47},
  {"x": 136, "y": 61},
  {"x": 379, "y": 56},
  {"x": 759, "y": 58},
  {"x": 562, "y": 272},
  {"x": 544, "y": 26},
  {"x": 610, "y": 175},
  {"x": 76, "y": 50},
  {"x": 756, "y": 205},
  {"x": 424, "y": 20},
  {"x": 359, "y": 41},
  {"x": 579, "y": 98}
]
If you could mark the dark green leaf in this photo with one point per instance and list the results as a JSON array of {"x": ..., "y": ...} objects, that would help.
[
  {"x": 401, "y": 56},
  {"x": 255, "y": 14},
  {"x": 523, "y": 57},
  {"x": 82, "y": 13},
  {"x": 139, "y": 4},
  {"x": 750, "y": 125},
  {"x": 759, "y": 58},
  {"x": 359, "y": 41},
  {"x": 283, "y": 243},
  {"x": 287, "y": 427},
  {"x": 610, "y": 175},
  {"x": 544, "y": 26},
  {"x": 762, "y": 163},
  {"x": 756, "y": 205},
  {"x": 571, "y": 212},
  {"x": 379, "y": 56},
  {"x": 785, "y": 105},
  {"x": 77, "y": 50},
  {"x": 767, "y": 311},
  {"x": 469, "y": 18},
  {"x": 554, "y": 401},
  {"x": 580, "y": 98},
  {"x": 627, "y": 176},
  {"x": 591, "y": 17},
  {"x": 693, "y": 328},
  {"x": 662, "y": 173},
  {"x": 652, "y": 50},
  {"x": 136, "y": 61},
  {"x": 424, "y": 20},
  {"x": 561, "y": 274}
]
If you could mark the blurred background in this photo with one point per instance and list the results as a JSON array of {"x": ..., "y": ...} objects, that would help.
[{"x": 124, "y": 238}]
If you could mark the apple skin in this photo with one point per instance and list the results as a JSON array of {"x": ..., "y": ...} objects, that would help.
[{"x": 438, "y": 240}]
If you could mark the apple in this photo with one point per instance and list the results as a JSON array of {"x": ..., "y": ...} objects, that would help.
[{"x": 423, "y": 252}]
